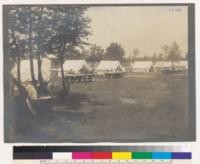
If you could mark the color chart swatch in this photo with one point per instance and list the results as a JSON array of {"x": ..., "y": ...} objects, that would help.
[
  {"x": 91, "y": 153},
  {"x": 121, "y": 155}
]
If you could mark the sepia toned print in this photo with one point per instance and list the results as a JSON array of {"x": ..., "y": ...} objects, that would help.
[{"x": 88, "y": 73}]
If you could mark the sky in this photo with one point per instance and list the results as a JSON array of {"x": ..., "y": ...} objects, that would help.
[{"x": 146, "y": 28}]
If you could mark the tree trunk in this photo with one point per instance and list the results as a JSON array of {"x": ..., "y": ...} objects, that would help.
[
  {"x": 18, "y": 69},
  {"x": 62, "y": 73},
  {"x": 62, "y": 69},
  {"x": 30, "y": 47},
  {"x": 173, "y": 66},
  {"x": 17, "y": 57},
  {"x": 32, "y": 69},
  {"x": 18, "y": 62},
  {"x": 40, "y": 78}
]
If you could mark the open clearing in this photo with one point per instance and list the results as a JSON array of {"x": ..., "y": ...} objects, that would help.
[{"x": 134, "y": 108}]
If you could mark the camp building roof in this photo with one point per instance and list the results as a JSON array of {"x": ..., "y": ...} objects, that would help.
[
  {"x": 109, "y": 65},
  {"x": 182, "y": 63},
  {"x": 163, "y": 64},
  {"x": 75, "y": 65},
  {"x": 141, "y": 64}
]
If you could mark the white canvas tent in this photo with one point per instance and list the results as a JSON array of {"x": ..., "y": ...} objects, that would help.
[
  {"x": 46, "y": 69},
  {"x": 181, "y": 65},
  {"x": 163, "y": 65},
  {"x": 142, "y": 66},
  {"x": 109, "y": 66},
  {"x": 75, "y": 67},
  {"x": 25, "y": 70}
]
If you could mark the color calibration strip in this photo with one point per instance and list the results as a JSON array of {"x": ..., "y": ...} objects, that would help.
[{"x": 104, "y": 155}]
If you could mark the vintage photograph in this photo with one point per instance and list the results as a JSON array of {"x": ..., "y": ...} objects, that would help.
[{"x": 99, "y": 73}]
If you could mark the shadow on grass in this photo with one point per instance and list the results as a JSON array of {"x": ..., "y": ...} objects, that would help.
[
  {"x": 24, "y": 125},
  {"x": 73, "y": 101}
]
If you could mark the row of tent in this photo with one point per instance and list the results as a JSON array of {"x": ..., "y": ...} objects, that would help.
[
  {"x": 108, "y": 66},
  {"x": 148, "y": 66},
  {"x": 72, "y": 67}
]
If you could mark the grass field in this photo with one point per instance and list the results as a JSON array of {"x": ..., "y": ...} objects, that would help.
[{"x": 136, "y": 108}]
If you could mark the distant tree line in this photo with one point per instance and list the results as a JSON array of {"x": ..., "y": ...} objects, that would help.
[
  {"x": 96, "y": 53},
  {"x": 115, "y": 51}
]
